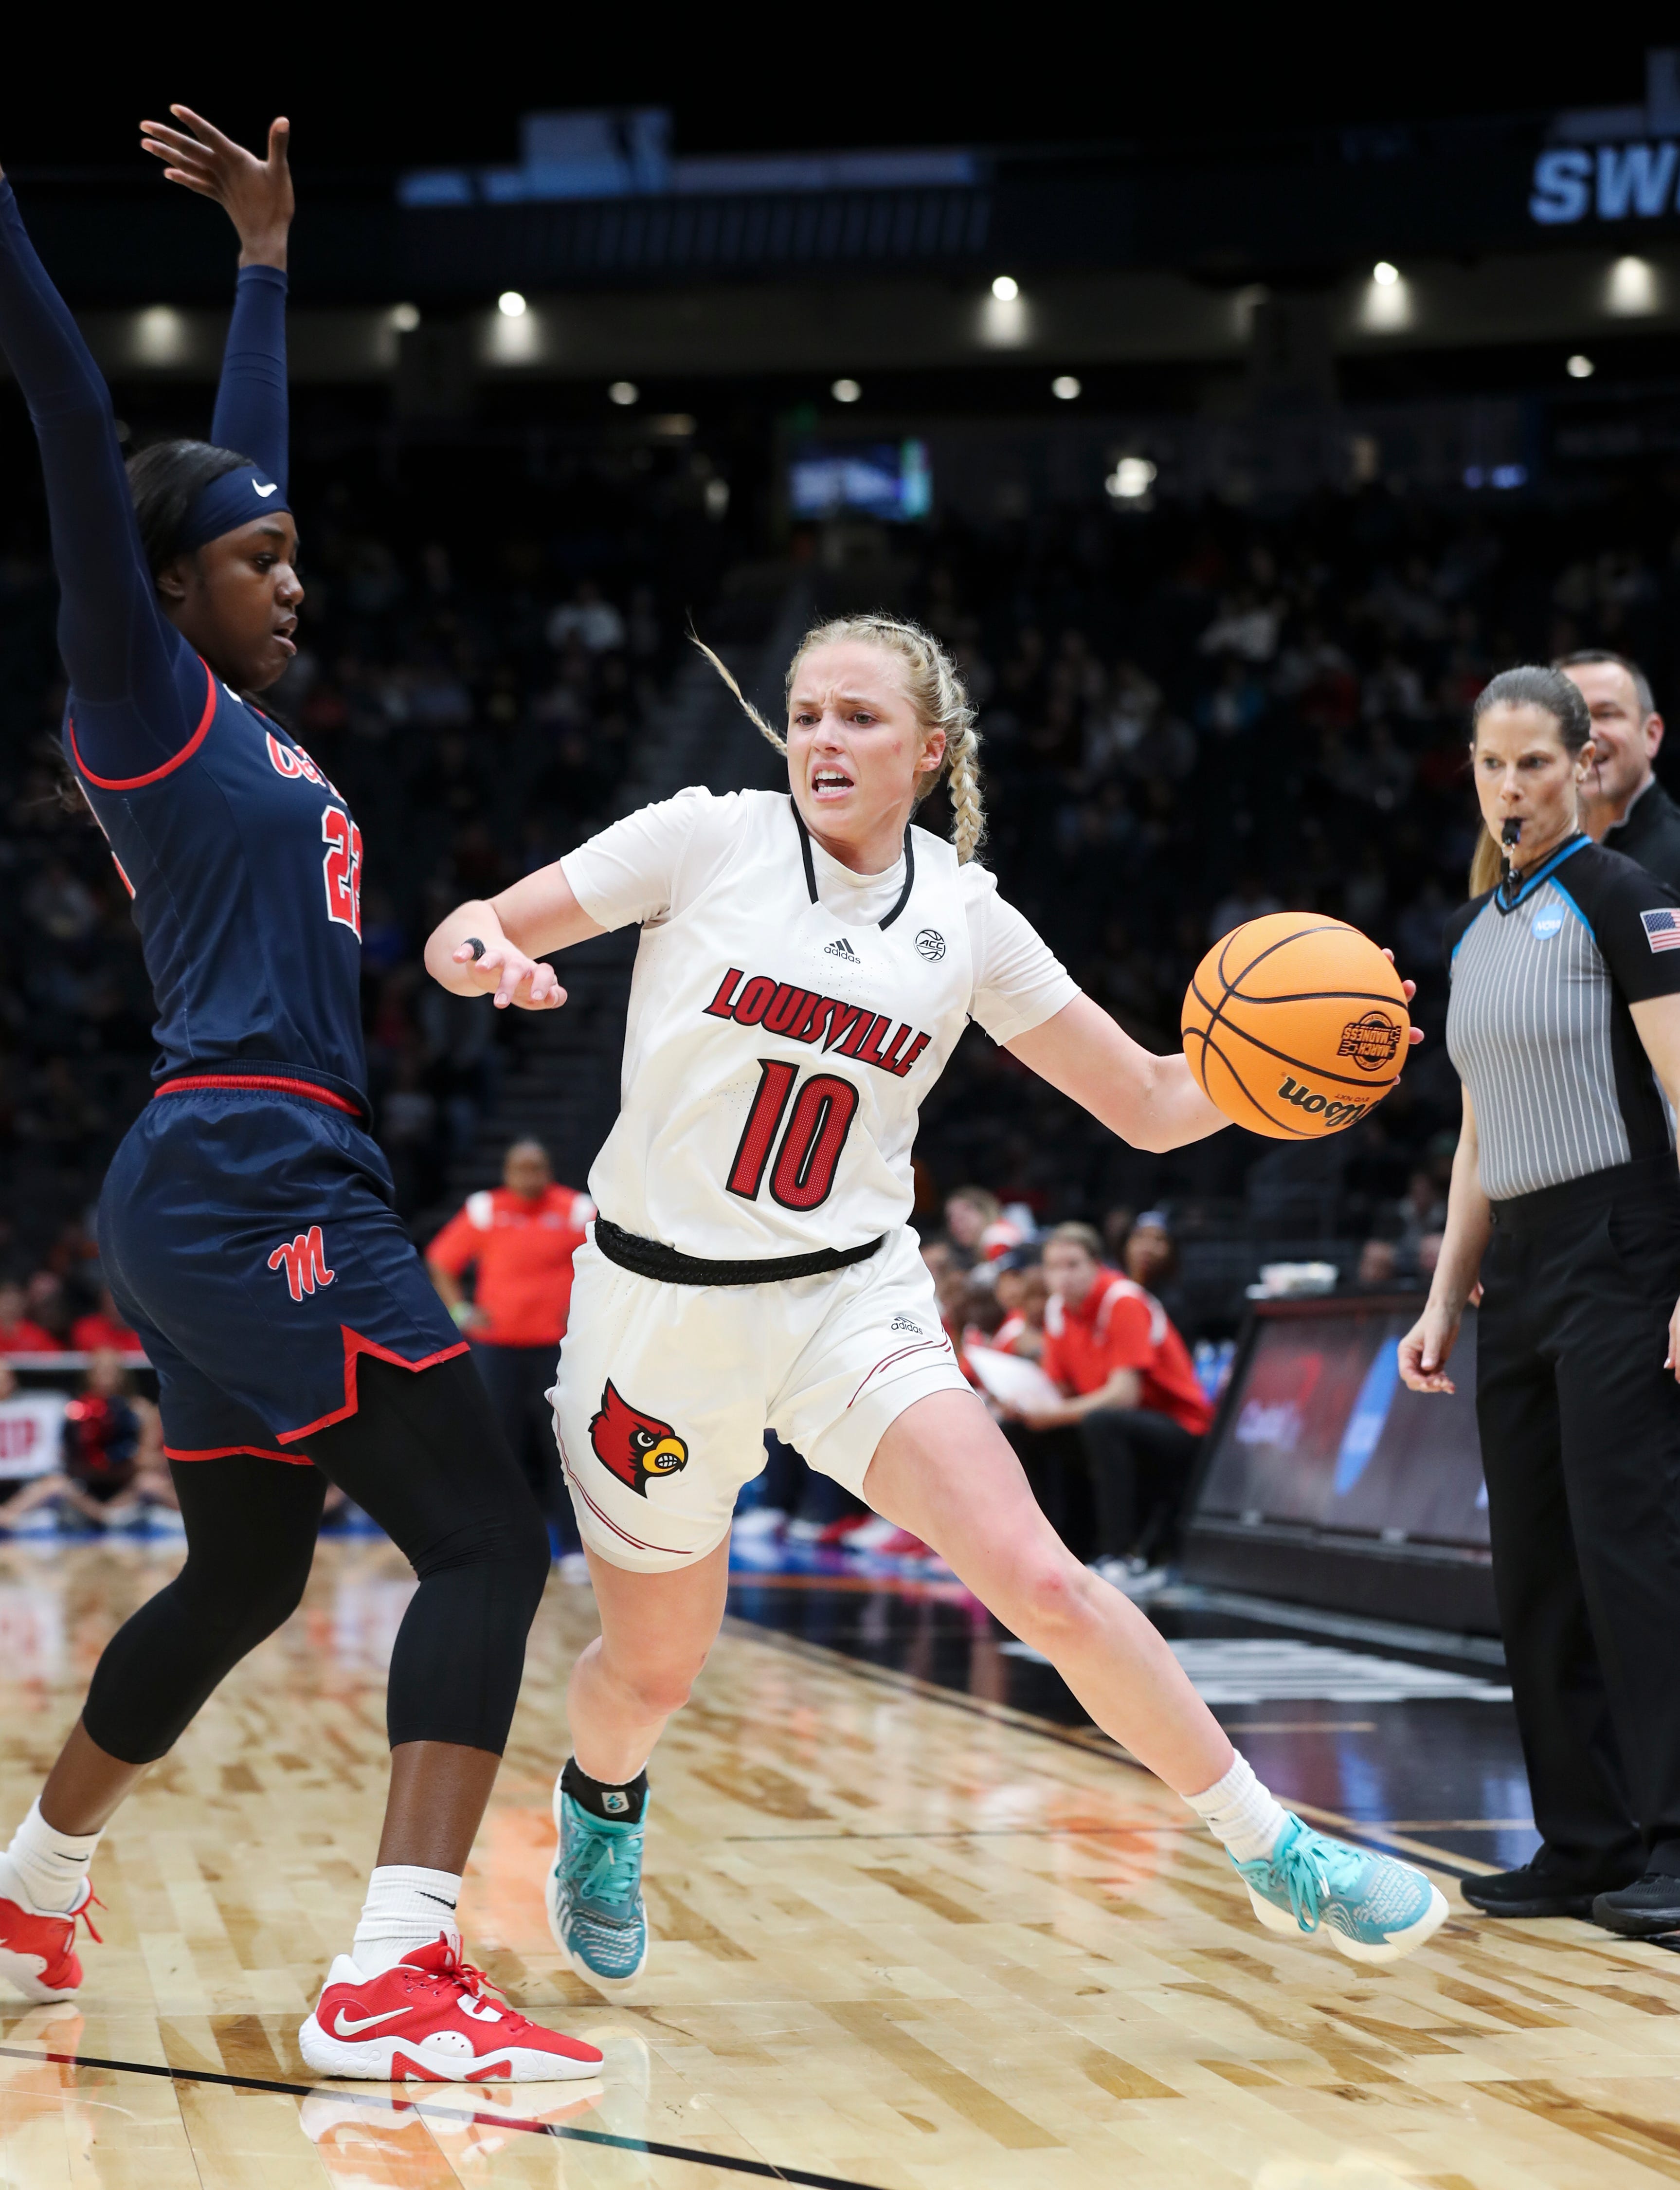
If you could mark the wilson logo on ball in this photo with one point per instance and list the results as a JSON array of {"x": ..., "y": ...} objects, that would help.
[{"x": 1372, "y": 1042}]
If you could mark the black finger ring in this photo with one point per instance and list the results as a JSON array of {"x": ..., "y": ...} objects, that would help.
[{"x": 476, "y": 947}]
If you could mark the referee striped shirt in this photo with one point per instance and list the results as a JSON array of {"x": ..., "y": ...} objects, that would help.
[{"x": 1538, "y": 1024}]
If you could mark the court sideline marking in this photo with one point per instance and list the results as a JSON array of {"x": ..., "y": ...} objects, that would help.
[
  {"x": 1091, "y": 1740},
  {"x": 764, "y": 2169}
]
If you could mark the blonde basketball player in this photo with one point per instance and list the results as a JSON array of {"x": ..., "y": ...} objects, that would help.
[{"x": 807, "y": 964}]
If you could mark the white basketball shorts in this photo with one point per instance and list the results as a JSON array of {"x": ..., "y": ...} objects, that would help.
[{"x": 664, "y": 1392}]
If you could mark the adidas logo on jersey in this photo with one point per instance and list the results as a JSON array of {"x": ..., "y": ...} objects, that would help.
[{"x": 842, "y": 949}]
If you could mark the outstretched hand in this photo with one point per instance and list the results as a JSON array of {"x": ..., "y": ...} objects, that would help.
[
  {"x": 255, "y": 193},
  {"x": 514, "y": 979}
]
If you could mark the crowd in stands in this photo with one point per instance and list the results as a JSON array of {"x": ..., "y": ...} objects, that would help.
[{"x": 1189, "y": 717}]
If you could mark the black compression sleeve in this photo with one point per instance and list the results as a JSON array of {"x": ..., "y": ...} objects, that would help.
[
  {"x": 123, "y": 657},
  {"x": 251, "y": 402}
]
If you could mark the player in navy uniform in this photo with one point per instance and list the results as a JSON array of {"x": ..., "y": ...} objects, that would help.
[{"x": 246, "y": 1227}]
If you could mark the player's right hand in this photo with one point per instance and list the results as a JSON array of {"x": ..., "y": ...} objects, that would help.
[
  {"x": 532, "y": 983},
  {"x": 255, "y": 193}
]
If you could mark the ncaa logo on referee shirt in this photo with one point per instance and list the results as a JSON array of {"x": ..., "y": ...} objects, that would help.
[
  {"x": 1546, "y": 923},
  {"x": 931, "y": 944}
]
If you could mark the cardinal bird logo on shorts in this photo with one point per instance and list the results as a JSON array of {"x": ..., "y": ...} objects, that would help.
[{"x": 639, "y": 1448}]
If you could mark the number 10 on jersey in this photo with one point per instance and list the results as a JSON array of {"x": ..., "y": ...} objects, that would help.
[{"x": 819, "y": 1118}]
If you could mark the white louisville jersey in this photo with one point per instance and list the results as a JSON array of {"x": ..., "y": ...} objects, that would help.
[{"x": 787, "y": 1018}]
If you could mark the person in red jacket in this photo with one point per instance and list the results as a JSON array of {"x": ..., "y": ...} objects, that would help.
[
  {"x": 104, "y": 1330},
  {"x": 20, "y": 1333},
  {"x": 1133, "y": 1396},
  {"x": 519, "y": 1238}
]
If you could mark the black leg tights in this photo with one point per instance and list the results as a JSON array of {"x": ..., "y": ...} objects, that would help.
[{"x": 423, "y": 1457}]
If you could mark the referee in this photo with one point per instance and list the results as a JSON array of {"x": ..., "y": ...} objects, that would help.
[
  {"x": 1565, "y": 1201},
  {"x": 1623, "y": 807}
]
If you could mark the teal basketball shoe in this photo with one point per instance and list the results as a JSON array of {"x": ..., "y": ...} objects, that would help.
[
  {"x": 1375, "y": 1909},
  {"x": 595, "y": 1906}
]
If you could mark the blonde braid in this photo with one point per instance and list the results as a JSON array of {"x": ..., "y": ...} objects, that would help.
[
  {"x": 936, "y": 692},
  {"x": 968, "y": 813},
  {"x": 752, "y": 714}
]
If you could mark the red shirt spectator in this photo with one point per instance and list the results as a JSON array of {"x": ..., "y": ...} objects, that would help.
[
  {"x": 18, "y": 1332},
  {"x": 104, "y": 1329},
  {"x": 522, "y": 1236},
  {"x": 1119, "y": 1325}
]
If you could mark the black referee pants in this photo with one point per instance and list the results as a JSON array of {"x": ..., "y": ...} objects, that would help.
[{"x": 1580, "y": 1446}]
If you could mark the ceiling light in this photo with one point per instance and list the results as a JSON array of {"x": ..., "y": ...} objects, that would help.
[
  {"x": 1383, "y": 275},
  {"x": 1006, "y": 288},
  {"x": 846, "y": 391},
  {"x": 623, "y": 393},
  {"x": 1131, "y": 479},
  {"x": 1579, "y": 368},
  {"x": 405, "y": 318},
  {"x": 1065, "y": 388},
  {"x": 1632, "y": 287},
  {"x": 511, "y": 305}
]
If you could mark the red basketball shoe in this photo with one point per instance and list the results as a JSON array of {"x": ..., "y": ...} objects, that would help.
[
  {"x": 37, "y": 1951},
  {"x": 431, "y": 2019}
]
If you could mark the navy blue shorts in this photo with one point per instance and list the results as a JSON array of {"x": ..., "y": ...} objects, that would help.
[{"x": 248, "y": 1236}]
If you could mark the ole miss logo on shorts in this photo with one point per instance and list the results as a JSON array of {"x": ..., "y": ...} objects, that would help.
[{"x": 304, "y": 1262}]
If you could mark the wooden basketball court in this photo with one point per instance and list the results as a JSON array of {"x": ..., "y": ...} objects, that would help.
[{"x": 903, "y": 1937}]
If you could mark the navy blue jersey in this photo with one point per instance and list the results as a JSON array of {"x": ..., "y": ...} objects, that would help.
[
  {"x": 245, "y": 868},
  {"x": 244, "y": 865}
]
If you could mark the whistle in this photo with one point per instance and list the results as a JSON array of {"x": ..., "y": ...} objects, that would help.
[{"x": 1513, "y": 831}]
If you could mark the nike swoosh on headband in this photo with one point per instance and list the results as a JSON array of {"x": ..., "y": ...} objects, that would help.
[
  {"x": 344, "y": 2028},
  {"x": 265, "y": 491}
]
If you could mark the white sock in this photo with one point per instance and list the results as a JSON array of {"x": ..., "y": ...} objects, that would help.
[
  {"x": 406, "y": 1907},
  {"x": 49, "y": 1865},
  {"x": 1238, "y": 1810}
]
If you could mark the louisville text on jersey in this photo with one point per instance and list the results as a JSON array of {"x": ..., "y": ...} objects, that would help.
[{"x": 803, "y": 1015}]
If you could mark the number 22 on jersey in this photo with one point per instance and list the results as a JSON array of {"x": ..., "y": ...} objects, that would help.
[
  {"x": 342, "y": 867},
  {"x": 803, "y": 1174}
]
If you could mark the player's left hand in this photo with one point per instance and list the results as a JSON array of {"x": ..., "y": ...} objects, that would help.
[
  {"x": 1410, "y": 990},
  {"x": 532, "y": 983},
  {"x": 256, "y": 194}
]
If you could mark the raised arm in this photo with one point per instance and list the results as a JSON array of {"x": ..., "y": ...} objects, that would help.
[
  {"x": 1152, "y": 1102},
  {"x": 251, "y": 402},
  {"x": 116, "y": 643}
]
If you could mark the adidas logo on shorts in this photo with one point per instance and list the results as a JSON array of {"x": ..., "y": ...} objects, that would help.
[
  {"x": 903, "y": 1323},
  {"x": 842, "y": 949}
]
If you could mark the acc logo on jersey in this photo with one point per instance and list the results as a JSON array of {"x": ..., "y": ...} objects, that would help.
[
  {"x": 304, "y": 1262},
  {"x": 931, "y": 944},
  {"x": 638, "y": 1447},
  {"x": 1371, "y": 1041}
]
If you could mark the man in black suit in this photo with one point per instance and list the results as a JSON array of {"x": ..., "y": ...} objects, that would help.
[{"x": 1623, "y": 807}]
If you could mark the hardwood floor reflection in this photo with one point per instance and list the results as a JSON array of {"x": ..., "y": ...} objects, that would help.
[{"x": 903, "y": 1938}]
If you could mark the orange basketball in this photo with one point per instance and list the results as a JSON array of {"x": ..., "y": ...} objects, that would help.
[{"x": 1296, "y": 1025}]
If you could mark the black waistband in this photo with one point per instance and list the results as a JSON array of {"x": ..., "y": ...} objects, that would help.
[
  {"x": 1647, "y": 1178},
  {"x": 652, "y": 1258}
]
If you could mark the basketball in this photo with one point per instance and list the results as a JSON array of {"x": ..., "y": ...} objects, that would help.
[{"x": 1296, "y": 1025}]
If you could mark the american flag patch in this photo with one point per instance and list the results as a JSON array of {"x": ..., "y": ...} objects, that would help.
[{"x": 1662, "y": 929}]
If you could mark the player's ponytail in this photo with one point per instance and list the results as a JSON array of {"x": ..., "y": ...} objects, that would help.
[
  {"x": 936, "y": 692},
  {"x": 165, "y": 480}
]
